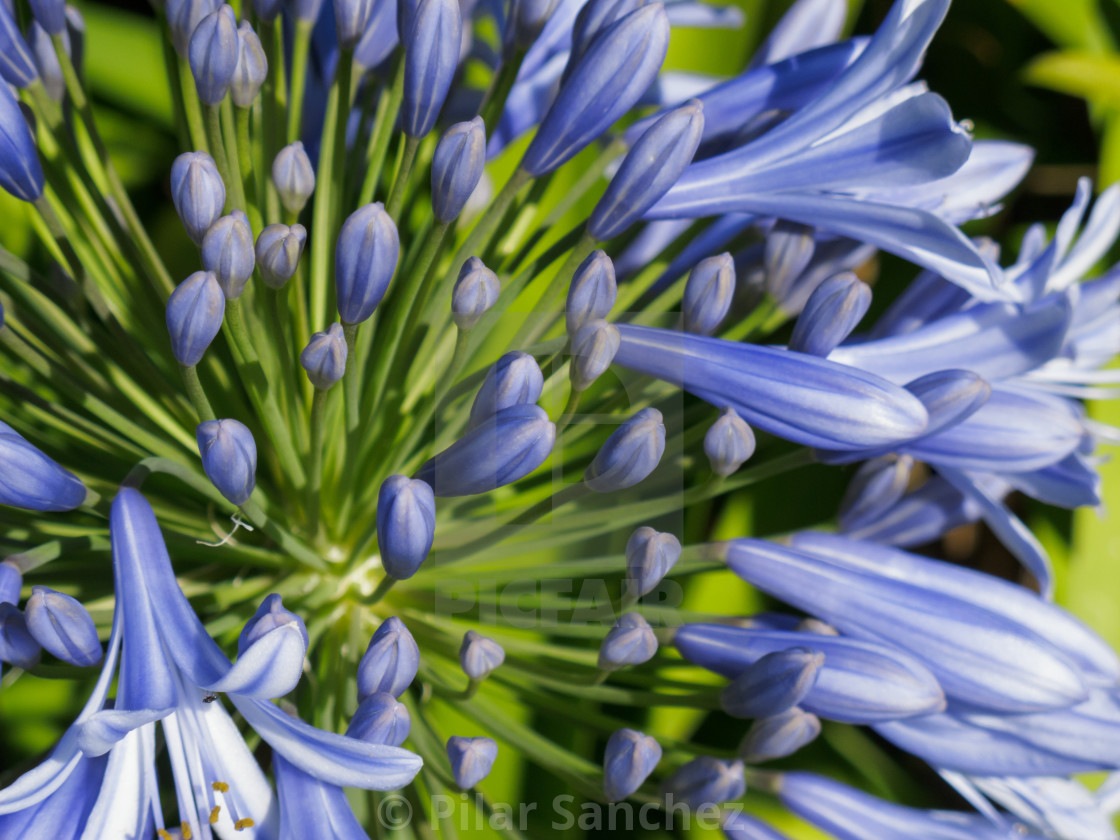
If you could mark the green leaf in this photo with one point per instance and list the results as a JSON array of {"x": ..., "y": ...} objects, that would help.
[
  {"x": 1091, "y": 76},
  {"x": 1069, "y": 23}
]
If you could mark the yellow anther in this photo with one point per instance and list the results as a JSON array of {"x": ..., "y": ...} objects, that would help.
[
  {"x": 186, "y": 829},
  {"x": 214, "y": 814},
  {"x": 244, "y": 823},
  {"x": 221, "y": 787}
]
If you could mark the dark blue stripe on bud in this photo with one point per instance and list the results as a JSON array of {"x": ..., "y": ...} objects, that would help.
[
  {"x": 229, "y": 458},
  {"x": 776, "y": 682},
  {"x": 17, "y": 67},
  {"x": 629, "y": 642},
  {"x": 705, "y": 781},
  {"x": 251, "y": 69},
  {"x": 515, "y": 379},
  {"x": 406, "y": 524},
  {"x": 390, "y": 662},
  {"x": 324, "y": 357},
  {"x": 479, "y": 656},
  {"x": 198, "y": 192},
  {"x": 457, "y": 167},
  {"x": 381, "y": 719},
  {"x": 365, "y": 258},
  {"x": 62, "y": 626},
  {"x": 708, "y": 293},
  {"x": 194, "y": 316},
  {"x": 293, "y": 177},
  {"x": 592, "y": 292},
  {"x": 728, "y": 443},
  {"x": 229, "y": 252},
  {"x": 630, "y": 454},
  {"x": 279, "y": 248},
  {"x": 475, "y": 293},
  {"x": 471, "y": 759},
  {"x": 650, "y": 555},
  {"x": 629, "y": 758},
  {"x": 31, "y": 480},
  {"x": 432, "y": 40},
  {"x": 214, "y": 48},
  {"x": 20, "y": 172},
  {"x": 779, "y": 735},
  {"x": 833, "y": 310},
  {"x": 593, "y": 348},
  {"x": 183, "y": 17}
]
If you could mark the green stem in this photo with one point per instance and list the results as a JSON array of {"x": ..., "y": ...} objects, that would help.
[
  {"x": 382, "y": 589},
  {"x": 296, "y": 549},
  {"x": 384, "y": 119},
  {"x": 569, "y": 411},
  {"x": 351, "y": 380},
  {"x": 400, "y": 181},
  {"x": 196, "y": 393},
  {"x": 192, "y": 108},
  {"x": 495, "y": 98},
  {"x": 301, "y": 47},
  {"x": 544, "y": 313},
  {"x": 315, "y": 463},
  {"x": 218, "y": 150},
  {"x": 242, "y": 117}
]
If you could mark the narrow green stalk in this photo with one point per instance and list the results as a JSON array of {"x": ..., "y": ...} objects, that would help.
[
  {"x": 384, "y": 119},
  {"x": 192, "y": 107},
  {"x": 274, "y": 99},
  {"x": 382, "y": 589},
  {"x": 196, "y": 393},
  {"x": 315, "y": 461},
  {"x": 351, "y": 381},
  {"x": 495, "y": 99},
  {"x": 292, "y": 546},
  {"x": 301, "y": 47},
  {"x": 242, "y": 117},
  {"x": 344, "y": 80},
  {"x": 545, "y": 312},
  {"x": 174, "y": 84},
  {"x": 213, "y": 115},
  {"x": 322, "y": 216},
  {"x": 404, "y": 171},
  {"x": 569, "y": 411}
]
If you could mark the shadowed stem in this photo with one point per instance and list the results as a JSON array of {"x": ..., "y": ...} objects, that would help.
[
  {"x": 400, "y": 181},
  {"x": 315, "y": 462},
  {"x": 196, "y": 393},
  {"x": 301, "y": 47}
]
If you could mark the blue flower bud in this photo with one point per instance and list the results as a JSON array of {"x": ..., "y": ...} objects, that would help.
[
  {"x": 629, "y": 642},
  {"x": 775, "y": 683},
  {"x": 503, "y": 449},
  {"x": 950, "y": 397},
  {"x": 457, "y": 168},
  {"x": 213, "y": 50},
  {"x": 194, "y": 316},
  {"x": 833, "y": 310},
  {"x": 266, "y": 10},
  {"x": 351, "y": 18},
  {"x": 649, "y": 169},
  {"x": 432, "y": 41},
  {"x": 270, "y": 615},
  {"x": 251, "y": 69},
  {"x": 515, "y": 379},
  {"x": 629, "y": 759},
  {"x": 708, "y": 293},
  {"x": 20, "y": 172},
  {"x": 593, "y": 18},
  {"x": 31, "y": 480},
  {"x": 183, "y": 17},
  {"x": 390, "y": 662},
  {"x": 630, "y": 454},
  {"x": 779, "y": 735},
  {"x": 198, "y": 192},
  {"x": 17, "y": 66},
  {"x": 529, "y": 18},
  {"x": 877, "y": 486},
  {"x": 293, "y": 177},
  {"x": 279, "y": 248},
  {"x": 475, "y": 293},
  {"x": 380, "y": 38},
  {"x": 471, "y": 759},
  {"x": 17, "y": 645},
  {"x": 609, "y": 78},
  {"x": 11, "y": 581},
  {"x": 229, "y": 252},
  {"x": 46, "y": 60},
  {"x": 479, "y": 655},
  {"x": 705, "y": 781},
  {"x": 364, "y": 261},
  {"x": 62, "y": 626},
  {"x": 229, "y": 458},
  {"x": 650, "y": 555},
  {"x": 406, "y": 524},
  {"x": 306, "y": 11},
  {"x": 50, "y": 14},
  {"x": 324, "y": 357},
  {"x": 788, "y": 252},
  {"x": 381, "y": 719},
  {"x": 593, "y": 349},
  {"x": 592, "y": 292},
  {"x": 728, "y": 443}
]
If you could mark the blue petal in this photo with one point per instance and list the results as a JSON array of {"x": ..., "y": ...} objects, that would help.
[
  {"x": 311, "y": 808},
  {"x": 270, "y": 667},
  {"x": 805, "y": 25}
]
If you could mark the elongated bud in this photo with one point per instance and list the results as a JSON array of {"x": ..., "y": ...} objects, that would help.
[
  {"x": 62, "y": 626},
  {"x": 17, "y": 66},
  {"x": 270, "y": 616},
  {"x": 877, "y": 486},
  {"x": 515, "y": 379},
  {"x": 213, "y": 51},
  {"x": 251, "y": 69},
  {"x": 950, "y": 397},
  {"x": 194, "y": 316},
  {"x": 479, "y": 655},
  {"x": 630, "y": 454},
  {"x": 729, "y": 442},
  {"x": 475, "y": 293},
  {"x": 789, "y": 249},
  {"x": 229, "y": 458},
  {"x": 183, "y": 17},
  {"x": 20, "y": 171},
  {"x": 708, "y": 293},
  {"x": 612, "y": 75},
  {"x": 649, "y": 169},
  {"x": 351, "y": 17},
  {"x": 279, "y": 248},
  {"x": 46, "y": 59},
  {"x": 381, "y": 719},
  {"x": 629, "y": 642},
  {"x": 833, "y": 310},
  {"x": 471, "y": 759},
  {"x": 198, "y": 192},
  {"x": 17, "y": 645},
  {"x": 629, "y": 759},
  {"x": 593, "y": 348},
  {"x": 779, "y": 735},
  {"x": 50, "y": 14},
  {"x": 380, "y": 38},
  {"x": 31, "y": 480},
  {"x": 432, "y": 41},
  {"x": 592, "y": 292},
  {"x": 775, "y": 683},
  {"x": 228, "y": 251},
  {"x": 650, "y": 555},
  {"x": 390, "y": 662},
  {"x": 593, "y": 18},
  {"x": 293, "y": 177},
  {"x": 457, "y": 168},
  {"x": 305, "y": 11},
  {"x": 705, "y": 781},
  {"x": 529, "y": 18},
  {"x": 503, "y": 449},
  {"x": 324, "y": 357},
  {"x": 364, "y": 261},
  {"x": 406, "y": 524},
  {"x": 11, "y": 581}
]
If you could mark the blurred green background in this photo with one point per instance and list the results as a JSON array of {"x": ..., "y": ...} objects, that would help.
[{"x": 1044, "y": 72}]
